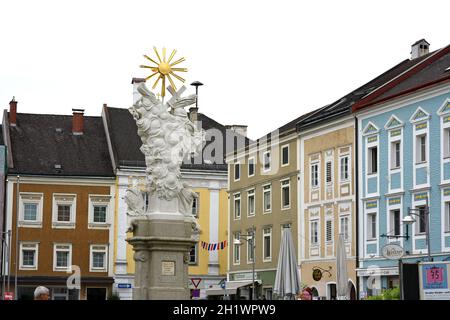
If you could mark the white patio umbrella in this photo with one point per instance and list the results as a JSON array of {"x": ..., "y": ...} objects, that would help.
[
  {"x": 341, "y": 269},
  {"x": 287, "y": 280}
]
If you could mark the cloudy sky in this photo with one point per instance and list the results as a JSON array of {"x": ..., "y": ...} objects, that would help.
[{"x": 263, "y": 63}]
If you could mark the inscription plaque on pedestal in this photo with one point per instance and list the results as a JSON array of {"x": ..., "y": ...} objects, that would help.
[{"x": 168, "y": 268}]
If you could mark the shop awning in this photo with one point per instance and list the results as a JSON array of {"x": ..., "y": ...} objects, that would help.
[{"x": 231, "y": 288}]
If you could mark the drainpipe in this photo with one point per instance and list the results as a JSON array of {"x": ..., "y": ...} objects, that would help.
[{"x": 356, "y": 180}]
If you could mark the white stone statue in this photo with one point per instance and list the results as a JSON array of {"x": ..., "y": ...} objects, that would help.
[{"x": 167, "y": 136}]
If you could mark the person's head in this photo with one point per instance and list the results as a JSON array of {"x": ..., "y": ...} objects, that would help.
[{"x": 41, "y": 293}]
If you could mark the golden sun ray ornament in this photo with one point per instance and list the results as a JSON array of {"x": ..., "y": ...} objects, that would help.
[{"x": 164, "y": 69}]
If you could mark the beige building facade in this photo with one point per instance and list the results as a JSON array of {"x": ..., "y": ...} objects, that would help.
[{"x": 328, "y": 205}]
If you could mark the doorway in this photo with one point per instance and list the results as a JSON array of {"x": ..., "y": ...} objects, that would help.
[
  {"x": 351, "y": 291},
  {"x": 96, "y": 294},
  {"x": 331, "y": 291}
]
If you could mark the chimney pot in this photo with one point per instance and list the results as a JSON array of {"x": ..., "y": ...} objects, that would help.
[
  {"x": 13, "y": 112},
  {"x": 78, "y": 121}
]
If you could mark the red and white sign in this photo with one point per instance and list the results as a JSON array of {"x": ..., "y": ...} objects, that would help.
[
  {"x": 8, "y": 296},
  {"x": 196, "y": 282}
]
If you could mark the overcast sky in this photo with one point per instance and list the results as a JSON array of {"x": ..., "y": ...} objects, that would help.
[{"x": 263, "y": 63}]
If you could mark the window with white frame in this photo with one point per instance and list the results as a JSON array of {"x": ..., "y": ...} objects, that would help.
[
  {"x": 395, "y": 221},
  {"x": 196, "y": 205},
  {"x": 373, "y": 160},
  {"x": 447, "y": 216},
  {"x": 237, "y": 206},
  {"x": 98, "y": 211},
  {"x": 314, "y": 232},
  {"x": 237, "y": 248},
  {"x": 193, "y": 255},
  {"x": 98, "y": 258},
  {"x": 64, "y": 211},
  {"x": 344, "y": 166},
  {"x": 237, "y": 171},
  {"x": 328, "y": 172},
  {"x": 266, "y": 160},
  {"x": 251, "y": 167},
  {"x": 285, "y": 194},
  {"x": 421, "y": 220},
  {"x": 421, "y": 148},
  {"x": 285, "y": 155},
  {"x": 395, "y": 154},
  {"x": 251, "y": 202},
  {"x": 329, "y": 230},
  {"x": 314, "y": 175},
  {"x": 372, "y": 226},
  {"x": 250, "y": 247},
  {"x": 30, "y": 208},
  {"x": 344, "y": 227},
  {"x": 62, "y": 257},
  {"x": 29, "y": 256},
  {"x": 267, "y": 198},
  {"x": 446, "y": 136},
  {"x": 267, "y": 244}
]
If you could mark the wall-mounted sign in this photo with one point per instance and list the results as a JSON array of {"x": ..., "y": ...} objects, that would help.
[
  {"x": 168, "y": 268},
  {"x": 317, "y": 274},
  {"x": 124, "y": 285},
  {"x": 434, "y": 280},
  {"x": 392, "y": 251}
]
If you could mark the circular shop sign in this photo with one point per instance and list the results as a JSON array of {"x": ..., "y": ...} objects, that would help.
[
  {"x": 317, "y": 274},
  {"x": 392, "y": 251}
]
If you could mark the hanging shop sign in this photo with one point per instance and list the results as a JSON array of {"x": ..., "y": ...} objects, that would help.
[{"x": 392, "y": 251}]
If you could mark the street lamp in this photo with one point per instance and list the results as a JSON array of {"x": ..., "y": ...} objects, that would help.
[
  {"x": 424, "y": 216},
  {"x": 238, "y": 242},
  {"x": 196, "y": 84}
]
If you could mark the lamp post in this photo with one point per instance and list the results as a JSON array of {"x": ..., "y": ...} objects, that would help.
[
  {"x": 252, "y": 238},
  {"x": 196, "y": 84},
  {"x": 424, "y": 216}
]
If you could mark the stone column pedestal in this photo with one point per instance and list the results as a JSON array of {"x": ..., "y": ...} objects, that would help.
[{"x": 161, "y": 254}]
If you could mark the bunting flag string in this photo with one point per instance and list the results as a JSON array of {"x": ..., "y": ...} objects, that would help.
[{"x": 213, "y": 246}]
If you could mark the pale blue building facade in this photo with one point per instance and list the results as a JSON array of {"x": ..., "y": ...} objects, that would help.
[{"x": 403, "y": 161}]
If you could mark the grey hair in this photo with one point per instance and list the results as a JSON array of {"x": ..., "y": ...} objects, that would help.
[{"x": 40, "y": 290}]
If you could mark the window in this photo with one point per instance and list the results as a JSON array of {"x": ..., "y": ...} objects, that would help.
[
  {"x": 285, "y": 194},
  {"x": 193, "y": 254},
  {"x": 371, "y": 226},
  {"x": 249, "y": 247},
  {"x": 329, "y": 231},
  {"x": 314, "y": 175},
  {"x": 267, "y": 198},
  {"x": 447, "y": 143},
  {"x": 98, "y": 258},
  {"x": 64, "y": 210},
  {"x": 62, "y": 257},
  {"x": 447, "y": 217},
  {"x": 285, "y": 155},
  {"x": 237, "y": 171},
  {"x": 251, "y": 203},
  {"x": 328, "y": 174},
  {"x": 30, "y": 211},
  {"x": 345, "y": 227},
  {"x": 344, "y": 168},
  {"x": 237, "y": 248},
  {"x": 30, "y": 208},
  {"x": 196, "y": 205},
  {"x": 267, "y": 244},
  {"x": 28, "y": 256},
  {"x": 266, "y": 158},
  {"x": 251, "y": 167},
  {"x": 395, "y": 222},
  {"x": 421, "y": 148},
  {"x": 237, "y": 206},
  {"x": 100, "y": 214},
  {"x": 421, "y": 220},
  {"x": 395, "y": 155},
  {"x": 373, "y": 160},
  {"x": 314, "y": 225},
  {"x": 98, "y": 211}
]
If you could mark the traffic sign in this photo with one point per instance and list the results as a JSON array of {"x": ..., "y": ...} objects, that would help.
[
  {"x": 196, "y": 282},
  {"x": 223, "y": 285},
  {"x": 124, "y": 285}
]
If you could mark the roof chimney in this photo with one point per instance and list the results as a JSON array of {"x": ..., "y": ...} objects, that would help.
[
  {"x": 240, "y": 129},
  {"x": 77, "y": 121},
  {"x": 13, "y": 112},
  {"x": 419, "y": 48},
  {"x": 135, "y": 82}
]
